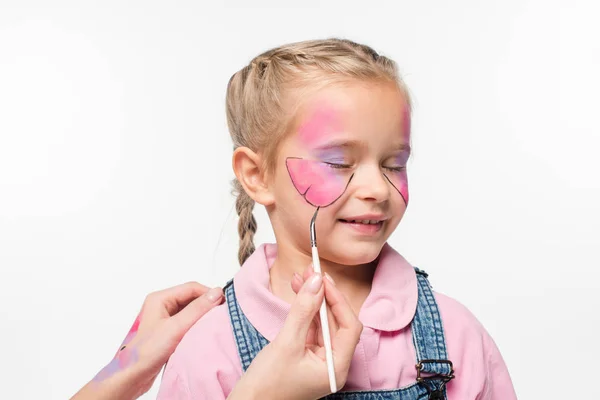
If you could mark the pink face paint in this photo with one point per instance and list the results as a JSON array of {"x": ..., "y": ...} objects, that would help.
[
  {"x": 399, "y": 181},
  {"x": 406, "y": 122},
  {"x": 317, "y": 182},
  {"x": 321, "y": 124},
  {"x": 397, "y": 176}
]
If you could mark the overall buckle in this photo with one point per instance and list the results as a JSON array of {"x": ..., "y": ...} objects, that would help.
[{"x": 438, "y": 393}]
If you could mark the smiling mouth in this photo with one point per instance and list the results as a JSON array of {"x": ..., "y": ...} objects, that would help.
[
  {"x": 364, "y": 227},
  {"x": 364, "y": 221}
]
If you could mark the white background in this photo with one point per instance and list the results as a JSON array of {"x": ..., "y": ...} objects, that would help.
[{"x": 115, "y": 169}]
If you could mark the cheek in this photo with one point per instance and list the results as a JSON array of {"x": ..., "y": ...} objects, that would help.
[
  {"x": 319, "y": 184},
  {"x": 400, "y": 182}
]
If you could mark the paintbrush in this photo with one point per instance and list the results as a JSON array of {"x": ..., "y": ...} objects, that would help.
[{"x": 323, "y": 309}]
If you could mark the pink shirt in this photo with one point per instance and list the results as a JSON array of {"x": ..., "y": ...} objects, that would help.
[{"x": 206, "y": 364}]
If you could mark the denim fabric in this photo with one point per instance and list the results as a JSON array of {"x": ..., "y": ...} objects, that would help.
[{"x": 428, "y": 339}]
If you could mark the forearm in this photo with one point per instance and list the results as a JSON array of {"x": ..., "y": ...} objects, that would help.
[
  {"x": 253, "y": 389},
  {"x": 123, "y": 385},
  {"x": 250, "y": 389}
]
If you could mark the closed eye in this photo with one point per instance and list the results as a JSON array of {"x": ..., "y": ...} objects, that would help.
[
  {"x": 395, "y": 169},
  {"x": 337, "y": 165}
]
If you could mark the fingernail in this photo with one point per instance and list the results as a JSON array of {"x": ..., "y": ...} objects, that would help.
[
  {"x": 297, "y": 276},
  {"x": 314, "y": 283},
  {"x": 214, "y": 294},
  {"x": 329, "y": 278}
]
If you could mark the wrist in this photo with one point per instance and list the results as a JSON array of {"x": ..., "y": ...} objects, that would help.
[
  {"x": 246, "y": 390},
  {"x": 122, "y": 385}
]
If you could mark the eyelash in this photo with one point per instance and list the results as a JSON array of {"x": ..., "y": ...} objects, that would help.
[
  {"x": 395, "y": 169},
  {"x": 337, "y": 166},
  {"x": 345, "y": 166}
]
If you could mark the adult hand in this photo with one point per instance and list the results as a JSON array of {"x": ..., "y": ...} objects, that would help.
[
  {"x": 164, "y": 319},
  {"x": 293, "y": 365}
]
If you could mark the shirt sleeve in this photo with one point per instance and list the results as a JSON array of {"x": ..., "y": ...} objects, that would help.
[
  {"x": 174, "y": 386},
  {"x": 498, "y": 384},
  {"x": 205, "y": 364}
]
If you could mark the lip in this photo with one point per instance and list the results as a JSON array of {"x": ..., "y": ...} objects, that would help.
[
  {"x": 372, "y": 217},
  {"x": 364, "y": 229}
]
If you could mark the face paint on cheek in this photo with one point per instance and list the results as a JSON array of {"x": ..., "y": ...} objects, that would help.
[
  {"x": 317, "y": 182},
  {"x": 399, "y": 180}
]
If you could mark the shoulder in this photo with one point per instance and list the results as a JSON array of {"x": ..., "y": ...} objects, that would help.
[
  {"x": 206, "y": 360},
  {"x": 473, "y": 352},
  {"x": 464, "y": 332},
  {"x": 457, "y": 317}
]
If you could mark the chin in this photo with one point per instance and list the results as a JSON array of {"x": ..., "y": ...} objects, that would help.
[{"x": 355, "y": 253}]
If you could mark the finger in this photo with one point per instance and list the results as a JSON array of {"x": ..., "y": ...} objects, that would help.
[
  {"x": 297, "y": 283},
  {"x": 191, "y": 313},
  {"x": 303, "y": 310},
  {"x": 331, "y": 322},
  {"x": 177, "y": 297},
  {"x": 308, "y": 272}
]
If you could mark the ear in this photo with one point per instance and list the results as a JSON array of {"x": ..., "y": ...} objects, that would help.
[{"x": 248, "y": 169}]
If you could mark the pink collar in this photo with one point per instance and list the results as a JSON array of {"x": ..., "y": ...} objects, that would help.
[{"x": 390, "y": 306}]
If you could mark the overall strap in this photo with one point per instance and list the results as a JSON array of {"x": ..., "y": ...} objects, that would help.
[
  {"x": 434, "y": 369},
  {"x": 247, "y": 339}
]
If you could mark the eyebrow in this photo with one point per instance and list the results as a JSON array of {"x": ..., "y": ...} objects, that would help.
[{"x": 344, "y": 143}]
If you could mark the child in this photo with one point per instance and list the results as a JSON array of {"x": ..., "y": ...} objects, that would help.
[{"x": 326, "y": 124}]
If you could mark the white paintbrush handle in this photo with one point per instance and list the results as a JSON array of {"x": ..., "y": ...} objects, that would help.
[{"x": 325, "y": 328}]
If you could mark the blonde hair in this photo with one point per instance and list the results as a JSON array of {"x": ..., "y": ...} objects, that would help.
[{"x": 258, "y": 97}]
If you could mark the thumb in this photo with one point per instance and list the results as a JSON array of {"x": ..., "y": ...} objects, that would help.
[{"x": 305, "y": 307}]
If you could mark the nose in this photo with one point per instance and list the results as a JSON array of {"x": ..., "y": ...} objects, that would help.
[{"x": 370, "y": 184}]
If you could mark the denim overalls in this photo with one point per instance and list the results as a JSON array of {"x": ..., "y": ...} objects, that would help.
[{"x": 434, "y": 370}]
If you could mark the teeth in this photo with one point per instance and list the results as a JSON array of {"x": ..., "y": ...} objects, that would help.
[{"x": 365, "y": 221}]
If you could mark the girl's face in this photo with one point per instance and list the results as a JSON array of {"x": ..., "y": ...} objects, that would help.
[{"x": 347, "y": 153}]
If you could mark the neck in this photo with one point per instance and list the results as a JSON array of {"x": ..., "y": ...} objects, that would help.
[{"x": 352, "y": 280}]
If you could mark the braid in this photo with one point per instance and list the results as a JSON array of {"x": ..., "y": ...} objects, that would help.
[{"x": 246, "y": 224}]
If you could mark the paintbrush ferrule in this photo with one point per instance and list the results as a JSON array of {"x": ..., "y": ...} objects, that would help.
[{"x": 313, "y": 230}]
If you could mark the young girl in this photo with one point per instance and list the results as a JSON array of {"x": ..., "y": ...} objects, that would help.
[{"x": 326, "y": 124}]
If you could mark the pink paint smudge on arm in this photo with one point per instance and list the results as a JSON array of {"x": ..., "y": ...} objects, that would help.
[
  {"x": 125, "y": 356},
  {"x": 133, "y": 331},
  {"x": 124, "y": 359},
  {"x": 317, "y": 182}
]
